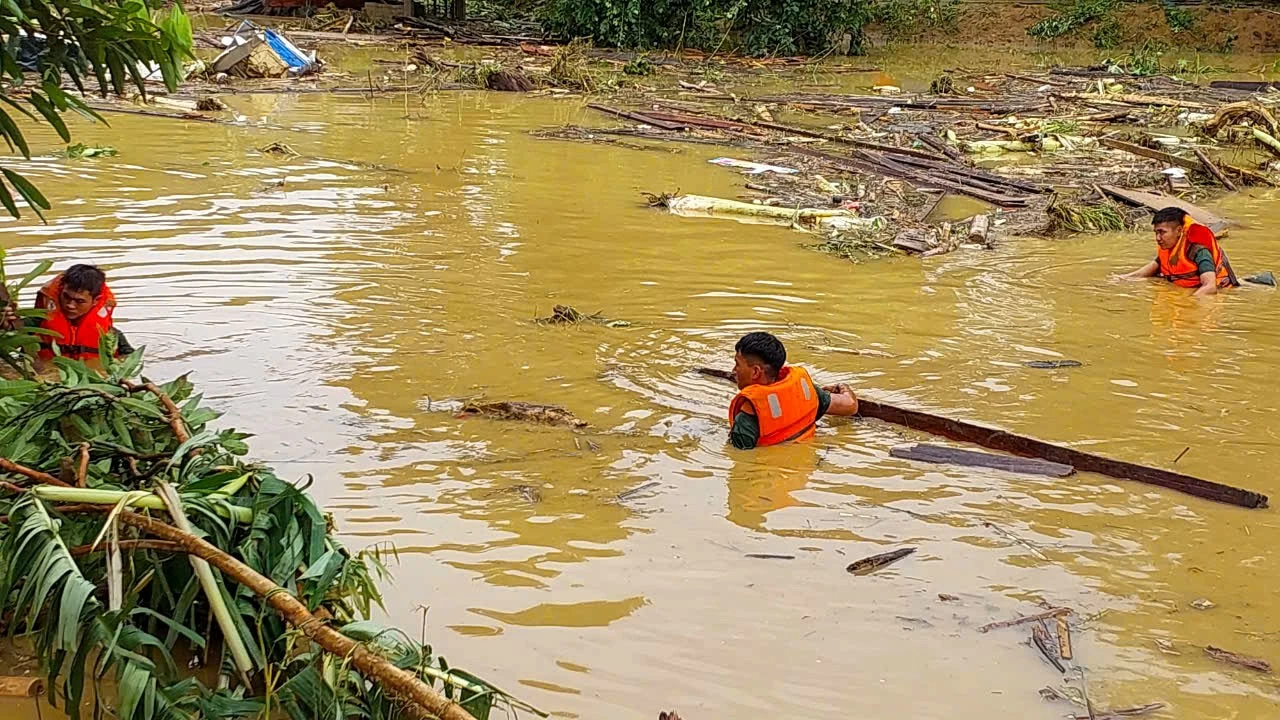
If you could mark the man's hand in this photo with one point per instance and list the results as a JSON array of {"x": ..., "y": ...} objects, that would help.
[
  {"x": 9, "y": 319},
  {"x": 843, "y": 401}
]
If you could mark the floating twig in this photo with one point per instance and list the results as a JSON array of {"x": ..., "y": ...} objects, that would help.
[
  {"x": 628, "y": 494},
  {"x": 1040, "y": 638},
  {"x": 1053, "y": 612},
  {"x": 770, "y": 556},
  {"x": 1064, "y": 638}
]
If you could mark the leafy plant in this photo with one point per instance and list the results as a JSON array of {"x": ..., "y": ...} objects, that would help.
[
  {"x": 104, "y": 43},
  {"x": 1108, "y": 33},
  {"x": 1180, "y": 19},
  {"x": 902, "y": 19},
  {"x": 640, "y": 66},
  {"x": 1071, "y": 15}
]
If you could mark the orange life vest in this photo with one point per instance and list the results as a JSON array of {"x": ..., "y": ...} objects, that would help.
[
  {"x": 786, "y": 410},
  {"x": 1176, "y": 264},
  {"x": 78, "y": 341}
]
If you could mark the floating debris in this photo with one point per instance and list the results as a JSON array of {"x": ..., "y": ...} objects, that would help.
[
  {"x": 1050, "y": 613},
  {"x": 569, "y": 315},
  {"x": 1040, "y": 639},
  {"x": 1203, "y": 604},
  {"x": 1243, "y": 661},
  {"x": 769, "y": 556},
  {"x": 1052, "y": 364},
  {"x": 80, "y": 150},
  {"x": 924, "y": 452},
  {"x": 523, "y": 411},
  {"x": 868, "y": 565},
  {"x": 278, "y": 148}
]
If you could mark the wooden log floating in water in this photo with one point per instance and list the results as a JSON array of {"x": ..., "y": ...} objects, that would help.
[
  {"x": 17, "y": 686},
  {"x": 996, "y": 439}
]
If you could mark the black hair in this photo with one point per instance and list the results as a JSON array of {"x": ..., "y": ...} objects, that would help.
[
  {"x": 765, "y": 348},
  {"x": 84, "y": 278},
  {"x": 1172, "y": 215}
]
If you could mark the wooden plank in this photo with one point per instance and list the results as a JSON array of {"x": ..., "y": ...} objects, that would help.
[
  {"x": 996, "y": 439},
  {"x": 1213, "y": 169},
  {"x": 1246, "y": 85},
  {"x": 971, "y": 458},
  {"x": 1164, "y": 157},
  {"x": 1158, "y": 201},
  {"x": 637, "y": 117}
]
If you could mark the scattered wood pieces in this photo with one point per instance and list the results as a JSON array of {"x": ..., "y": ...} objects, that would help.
[
  {"x": 1052, "y": 612},
  {"x": 868, "y": 565},
  {"x": 1040, "y": 638},
  {"x": 924, "y": 452},
  {"x": 1243, "y": 661},
  {"x": 1064, "y": 638},
  {"x": 944, "y": 597},
  {"x": 637, "y": 117}
]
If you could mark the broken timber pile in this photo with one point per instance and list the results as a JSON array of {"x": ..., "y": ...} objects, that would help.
[{"x": 1092, "y": 137}]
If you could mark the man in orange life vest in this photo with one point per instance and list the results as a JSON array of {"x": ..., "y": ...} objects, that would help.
[
  {"x": 79, "y": 306},
  {"x": 1187, "y": 255},
  {"x": 776, "y": 402}
]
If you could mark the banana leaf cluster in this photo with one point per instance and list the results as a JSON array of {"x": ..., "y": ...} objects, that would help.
[{"x": 123, "y": 624}]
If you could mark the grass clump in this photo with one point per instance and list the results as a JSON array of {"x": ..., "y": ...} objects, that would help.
[{"x": 1088, "y": 218}]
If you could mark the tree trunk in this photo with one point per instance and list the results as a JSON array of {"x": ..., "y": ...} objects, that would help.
[
  {"x": 458, "y": 9},
  {"x": 393, "y": 680}
]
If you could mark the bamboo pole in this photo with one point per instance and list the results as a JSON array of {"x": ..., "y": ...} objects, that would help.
[
  {"x": 397, "y": 682},
  {"x": 1213, "y": 170}
]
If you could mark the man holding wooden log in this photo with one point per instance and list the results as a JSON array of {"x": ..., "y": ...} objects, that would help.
[
  {"x": 1188, "y": 255},
  {"x": 776, "y": 402}
]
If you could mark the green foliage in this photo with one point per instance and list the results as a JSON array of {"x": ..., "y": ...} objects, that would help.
[
  {"x": 1107, "y": 33},
  {"x": 1180, "y": 19},
  {"x": 902, "y": 19},
  {"x": 758, "y": 27},
  {"x": 79, "y": 150},
  {"x": 57, "y": 579},
  {"x": 1072, "y": 15},
  {"x": 102, "y": 43},
  {"x": 640, "y": 66},
  {"x": 1142, "y": 60}
]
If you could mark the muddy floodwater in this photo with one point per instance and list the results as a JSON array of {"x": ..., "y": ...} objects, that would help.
[{"x": 329, "y": 302}]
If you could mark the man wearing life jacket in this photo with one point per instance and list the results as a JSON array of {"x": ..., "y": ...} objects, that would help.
[
  {"x": 79, "y": 306},
  {"x": 1188, "y": 255},
  {"x": 776, "y": 402}
]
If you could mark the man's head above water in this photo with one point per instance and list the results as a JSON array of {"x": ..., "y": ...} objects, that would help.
[
  {"x": 757, "y": 360},
  {"x": 81, "y": 287},
  {"x": 1169, "y": 225}
]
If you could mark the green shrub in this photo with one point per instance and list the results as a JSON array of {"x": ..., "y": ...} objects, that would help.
[
  {"x": 1179, "y": 19},
  {"x": 900, "y": 19},
  {"x": 758, "y": 27},
  {"x": 1071, "y": 17}
]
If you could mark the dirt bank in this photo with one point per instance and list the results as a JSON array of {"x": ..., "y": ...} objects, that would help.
[{"x": 1215, "y": 29}]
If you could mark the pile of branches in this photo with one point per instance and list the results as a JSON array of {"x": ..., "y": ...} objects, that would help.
[{"x": 137, "y": 544}]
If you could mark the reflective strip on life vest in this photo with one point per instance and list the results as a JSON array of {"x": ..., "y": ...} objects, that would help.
[{"x": 775, "y": 406}]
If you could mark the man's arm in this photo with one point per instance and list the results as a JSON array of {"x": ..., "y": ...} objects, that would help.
[
  {"x": 1208, "y": 284},
  {"x": 1146, "y": 271},
  {"x": 745, "y": 433},
  {"x": 843, "y": 401}
]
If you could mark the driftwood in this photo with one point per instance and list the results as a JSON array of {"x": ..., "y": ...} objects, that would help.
[
  {"x": 1158, "y": 201},
  {"x": 1064, "y": 638},
  {"x": 1052, "y": 364},
  {"x": 637, "y": 117},
  {"x": 996, "y": 439},
  {"x": 868, "y": 565},
  {"x": 1054, "y": 612},
  {"x": 1040, "y": 638},
  {"x": 969, "y": 458},
  {"x": 1184, "y": 163},
  {"x": 1213, "y": 169},
  {"x": 1244, "y": 661}
]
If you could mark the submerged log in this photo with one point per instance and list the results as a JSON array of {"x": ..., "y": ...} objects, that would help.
[
  {"x": 1244, "y": 661},
  {"x": 16, "y": 686},
  {"x": 996, "y": 439},
  {"x": 970, "y": 458},
  {"x": 637, "y": 117}
]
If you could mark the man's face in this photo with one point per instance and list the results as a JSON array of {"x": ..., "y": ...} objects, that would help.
[
  {"x": 747, "y": 373},
  {"x": 74, "y": 303},
  {"x": 1167, "y": 234}
]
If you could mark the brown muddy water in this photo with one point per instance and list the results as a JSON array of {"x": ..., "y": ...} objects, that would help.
[{"x": 326, "y": 301}]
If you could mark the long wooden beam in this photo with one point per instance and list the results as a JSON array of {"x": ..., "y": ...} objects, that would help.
[{"x": 996, "y": 439}]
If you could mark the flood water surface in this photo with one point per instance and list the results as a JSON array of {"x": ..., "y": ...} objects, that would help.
[{"x": 332, "y": 302}]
